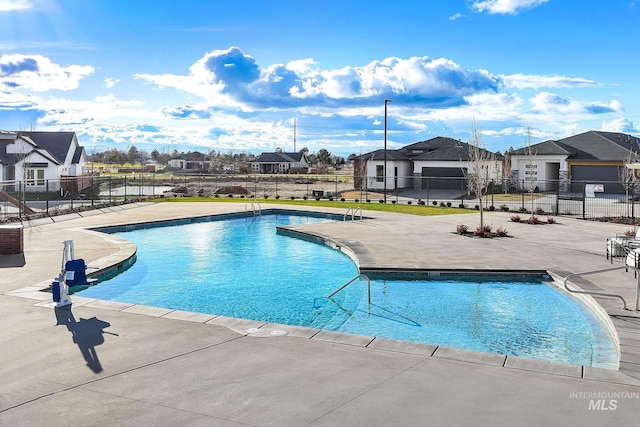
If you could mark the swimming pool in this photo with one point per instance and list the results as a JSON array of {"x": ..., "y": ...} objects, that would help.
[{"x": 240, "y": 267}]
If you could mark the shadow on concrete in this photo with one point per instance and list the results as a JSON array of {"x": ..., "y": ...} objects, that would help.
[
  {"x": 15, "y": 260},
  {"x": 87, "y": 334}
]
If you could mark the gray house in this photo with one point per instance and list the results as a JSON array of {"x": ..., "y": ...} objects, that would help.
[
  {"x": 591, "y": 157},
  {"x": 421, "y": 165},
  {"x": 278, "y": 162}
]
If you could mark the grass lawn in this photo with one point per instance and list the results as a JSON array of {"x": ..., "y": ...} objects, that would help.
[{"x": 373, "y": 206}]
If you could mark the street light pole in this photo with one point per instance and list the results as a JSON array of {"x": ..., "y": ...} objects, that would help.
[{"x": 384, "y": 175}]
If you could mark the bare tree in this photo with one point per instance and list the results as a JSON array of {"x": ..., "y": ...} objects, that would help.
[
  {"x": 627, "y": 176},
  {"x": 478, "y": 175},
  {"x": 531, "y": 170}
]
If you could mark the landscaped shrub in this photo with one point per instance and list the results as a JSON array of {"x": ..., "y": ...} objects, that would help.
[
  {"x": 442, "y": 205},
  {"x": 533, "y": 220},
  {"x": 318, "y": 199},
  {"x": 522, "y": 209},
  {"x": 422, "y": 202},
  {"x": 357, "y": 200},
  {"x": 331, "y": 199},
  {"x": 501, "y": 232},
  {"x": 216, "y": 195},
  {"x": 492, "y": 208},
  {"x": 504, "y": 208},
  {"x": 550, "y": 220},
  {"x": 477, "y": 207},
  {"x": 515, "y": 218},
  {"x": 539, "y": 211},
  {"x": 434, "y": 203},
  {"x": 487, "y": 228},
  {"x": 631, "y": 232},
  {"x": 448, "y": 204},
  {"x": 462, "y": 229},
  {"x": 293, "y": 197},
  {"x": 342, "y": 199},
  {"x": 393, "y": 202},
  {"x": 409, "y": 202},
  {"x": 277, "y": 197},
  {"x": 479, "y": 232},
  {"x": 368, "y": 200},
  {"x": 266, "y": 196},
  {"x": 305, "y": 197},
  {"x": 462, "y": 206},
  {"x": 381, "y": 201},
  {"x": 231, "y": 195}
]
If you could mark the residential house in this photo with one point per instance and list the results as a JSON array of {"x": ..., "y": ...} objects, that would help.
[
  {"x": 44, "y": 161},
  {"x": 591, "y": 157},
  {"x": 278, "y": 162},
  {"x": 422, "y": 165},
  {"x": 192, "y": 161}
]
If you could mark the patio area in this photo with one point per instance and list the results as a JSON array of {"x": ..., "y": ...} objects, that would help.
[{"x": 108, "y": 363}]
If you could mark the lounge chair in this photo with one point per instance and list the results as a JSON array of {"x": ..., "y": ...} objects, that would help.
[{"x": 622, "y": 244}]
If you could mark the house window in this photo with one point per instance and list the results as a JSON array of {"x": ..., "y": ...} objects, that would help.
[
  {"x": 35, "y": 176},
  {"x": 379, "y": 173}
]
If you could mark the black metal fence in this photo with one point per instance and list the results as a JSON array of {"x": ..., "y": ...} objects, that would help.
[{"x": 32, "y": 199}]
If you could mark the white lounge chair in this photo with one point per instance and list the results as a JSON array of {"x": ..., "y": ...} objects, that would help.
[{"x": 622, "y": 244}]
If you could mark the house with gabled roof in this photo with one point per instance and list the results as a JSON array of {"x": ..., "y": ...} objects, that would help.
[
  {"x": 43, "y": 161},
  {"x": 591, "y": 157},
  {"x": 192, "y": 161},
  {"x": 280, "y": 162},
  {"x": 421, "y": 165}
]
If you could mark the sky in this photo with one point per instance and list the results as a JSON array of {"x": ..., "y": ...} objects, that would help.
[{"x": 252, "y": 76}]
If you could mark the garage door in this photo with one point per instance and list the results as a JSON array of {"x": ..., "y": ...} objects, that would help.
[
  {"x": 607, "y": 175},
  {"x": 443, "y": 179}
]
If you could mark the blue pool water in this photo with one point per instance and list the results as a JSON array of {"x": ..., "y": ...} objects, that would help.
[{"x": 241, "y": 267}]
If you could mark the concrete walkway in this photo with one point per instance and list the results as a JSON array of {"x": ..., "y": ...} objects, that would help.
[{"x": 105, "y": 363}]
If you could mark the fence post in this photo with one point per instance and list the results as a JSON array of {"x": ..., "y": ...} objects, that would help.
[
  {"x": 46, "y": 197},
  {"x": 633, "y": 201},
  {"x": 125, "y": 188},
  {"x": 558, "y": 198},
  {"x": 584, "y": 200}
]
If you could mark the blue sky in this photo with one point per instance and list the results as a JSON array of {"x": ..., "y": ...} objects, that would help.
[{"x": 234, "y": 75}]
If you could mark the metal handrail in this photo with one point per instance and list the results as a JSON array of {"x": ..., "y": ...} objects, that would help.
[
  {"x": 601, "y": 294},
  {"x": 253, "y": 207},
  {"x": 359, "y": 276},
  {"x": 354, "y": 212}
]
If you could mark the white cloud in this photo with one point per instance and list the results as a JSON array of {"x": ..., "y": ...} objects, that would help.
[
  {"x": 12, "y": 5},
  {"x": 456, "y": 16},
  {"x": 620, "y": 125},
  {"x": 37, "y": 73},
  {"x": 523, "y": 81},
  {"x": 511, "y": 7},
  {"x": 111, "y": 82}
]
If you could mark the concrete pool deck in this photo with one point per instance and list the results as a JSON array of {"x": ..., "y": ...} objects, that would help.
[{"x": 107, "y": 363}]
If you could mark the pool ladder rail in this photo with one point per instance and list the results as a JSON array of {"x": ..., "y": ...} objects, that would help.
[
  {"x": 604, "y": 294},
  {"x": 359, "y": 276},
  {"x": 354, "y": 212},
  {"x": 254, "y": 206}
]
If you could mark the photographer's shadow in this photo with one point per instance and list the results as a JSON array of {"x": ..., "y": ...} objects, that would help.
[{"x": 87, "y": 334}]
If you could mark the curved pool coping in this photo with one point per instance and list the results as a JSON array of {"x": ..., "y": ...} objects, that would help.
[{"x": 125, "y": 256}]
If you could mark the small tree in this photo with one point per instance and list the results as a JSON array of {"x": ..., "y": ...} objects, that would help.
[
  {"x": 478, "y": 176},
  {"x": 531, "y": 169},
  {"x": 627, "y": 176}
]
